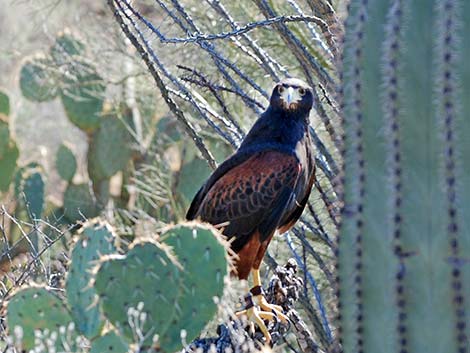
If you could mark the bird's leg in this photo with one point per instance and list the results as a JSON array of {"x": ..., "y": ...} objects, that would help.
[
  {"x": 258, "y": 309},
  {"x": 258, "y": 295}
]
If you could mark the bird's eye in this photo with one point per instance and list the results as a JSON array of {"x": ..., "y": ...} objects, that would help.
[
  {"x": 280, "y": 89},
  {"x": 301, "y": 91}
]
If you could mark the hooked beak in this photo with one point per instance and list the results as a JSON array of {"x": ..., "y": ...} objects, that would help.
[{"x": 290, "y": 96}]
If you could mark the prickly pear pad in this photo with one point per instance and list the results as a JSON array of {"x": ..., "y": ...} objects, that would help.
[
  {"x": 36, "y": 80},
  {"x": 38, "y": 309},
  {"x": 109, "y": 343},
  {"x": 139, "y": 292},
  {"x": 204, "y": 260},
  {"x": 8, "y": 165},
  {"x": 66, "y": 164},
  {"x": 96, "y": 240}
]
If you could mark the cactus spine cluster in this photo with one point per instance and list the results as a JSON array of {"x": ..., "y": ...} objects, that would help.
[
  {"x": 158, "y": 294},
  {"x": 404, "y": 242}
]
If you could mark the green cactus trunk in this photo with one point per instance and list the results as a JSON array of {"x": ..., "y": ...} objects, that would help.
[{"x": 403, "y": 278}]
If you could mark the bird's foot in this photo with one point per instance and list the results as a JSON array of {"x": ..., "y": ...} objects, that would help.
[
  {"x": 256, "y": 316},
  {"x": 258, "y": 295},
  {"x": 262, "y": 310}
]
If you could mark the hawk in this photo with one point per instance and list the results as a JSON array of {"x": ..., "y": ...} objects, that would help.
[{"x": 263, "y": 187}]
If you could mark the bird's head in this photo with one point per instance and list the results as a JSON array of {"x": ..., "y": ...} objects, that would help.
[{"x": 293, "y": 96}]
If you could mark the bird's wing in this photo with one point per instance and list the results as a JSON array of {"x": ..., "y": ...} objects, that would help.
[
  {"x": 251, "y": 196},
  {"x": 241, "y": 156}
]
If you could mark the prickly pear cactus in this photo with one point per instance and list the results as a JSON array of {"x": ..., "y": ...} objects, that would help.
[
  {"x": 4, "y": 104},
  {"x": 66, "y": 48},
  {"x": 204, "y": 259},
  {"x": 65, "y": 162},
  {"x": 83, "y": 95},
  {"x": 96, "y": 239},
  {"x": 109, "y": 343},
  {"x": 37, "y": 82},
  {"x": 140, "y": 287},
  {"x": 38, "y": 309},
  {"x": 64, "y": 72},
  {"x": 192, "y": 175},
  {"x": 32, "y": 192},
  {"x": 80, "y": 203},
  {"x": 4, "y": 134},
  {"x": 8, "y": 165},
  {"x": 404, "y": 242},
  {"x": 110, "y": 148},
  {"x": 173, "y": 286},
  {"x": 167, "y": 130},
  {"x": 8, "y": 150}
]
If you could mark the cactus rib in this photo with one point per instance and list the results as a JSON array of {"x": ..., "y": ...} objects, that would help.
[
  {"x": 462, "y": 151},
  {"x": 349, "y": 248},
  {"x": 391, "y": 110},
  {"x": 446, "y": 78}
]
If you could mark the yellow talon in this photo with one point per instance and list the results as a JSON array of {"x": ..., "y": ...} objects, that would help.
[
  {"x": 254, "y": 315},
  {"x": 260, "y": 310},
  {"x": 266, "y": 307}
]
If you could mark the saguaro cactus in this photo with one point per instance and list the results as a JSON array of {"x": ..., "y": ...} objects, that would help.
[{"x": 404, "y": 243}]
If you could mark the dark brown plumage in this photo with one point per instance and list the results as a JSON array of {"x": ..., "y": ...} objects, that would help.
[{"x": 265, "y": 185}]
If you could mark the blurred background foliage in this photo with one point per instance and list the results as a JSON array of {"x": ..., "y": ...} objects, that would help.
[{"x": 85, "y": 130}]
